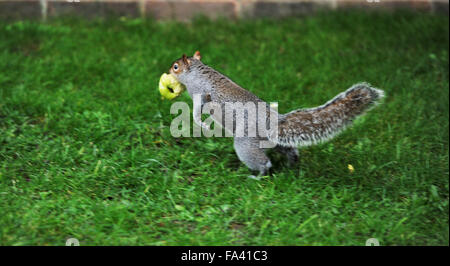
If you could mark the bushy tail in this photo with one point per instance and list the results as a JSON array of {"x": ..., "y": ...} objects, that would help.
[{"x": 305, "y": 127}]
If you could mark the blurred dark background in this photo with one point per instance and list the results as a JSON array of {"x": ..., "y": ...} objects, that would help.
[{"x": 184, "y": 10}]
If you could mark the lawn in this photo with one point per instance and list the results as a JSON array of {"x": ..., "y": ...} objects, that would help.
[{"x": 86, "y": 151}]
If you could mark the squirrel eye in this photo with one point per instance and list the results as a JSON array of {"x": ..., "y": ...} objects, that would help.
[{"x": 175, "y": 67}]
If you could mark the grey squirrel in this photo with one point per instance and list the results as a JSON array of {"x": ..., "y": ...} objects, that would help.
[{"x": 300, "y": 127}]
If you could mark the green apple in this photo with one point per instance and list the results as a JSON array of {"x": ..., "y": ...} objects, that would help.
[{"x": 169, "y": 87}]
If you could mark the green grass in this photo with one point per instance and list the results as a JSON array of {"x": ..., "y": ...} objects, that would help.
[{"x": 86, "y": 152}]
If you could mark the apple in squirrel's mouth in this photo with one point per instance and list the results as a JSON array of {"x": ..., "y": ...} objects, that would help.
[{"x": 169, "y": 87}]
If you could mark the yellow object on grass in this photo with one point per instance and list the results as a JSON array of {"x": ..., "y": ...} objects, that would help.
[
  {"x": 351, "y": 168},
  {"x": 169, "y": 87}
]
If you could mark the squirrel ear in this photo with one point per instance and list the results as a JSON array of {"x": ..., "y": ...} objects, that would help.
[
  {"x": 185, "y": 60},
  {"x": 197, "y": 55}
]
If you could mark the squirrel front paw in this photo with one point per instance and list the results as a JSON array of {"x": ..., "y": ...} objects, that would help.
[{"x": 258, "y": 178}]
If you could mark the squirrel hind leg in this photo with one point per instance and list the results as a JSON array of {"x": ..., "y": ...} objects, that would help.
[
  {"x": 254, "y": 157},
  {"x": 290, "y": 152}
]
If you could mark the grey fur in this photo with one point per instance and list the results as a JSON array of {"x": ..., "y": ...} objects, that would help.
[
  {"x": 298, "y": 128},
  {"x": 304, "y": 127}
]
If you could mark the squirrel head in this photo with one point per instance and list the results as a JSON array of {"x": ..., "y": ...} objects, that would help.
[{"x": 182, "y": 65}]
